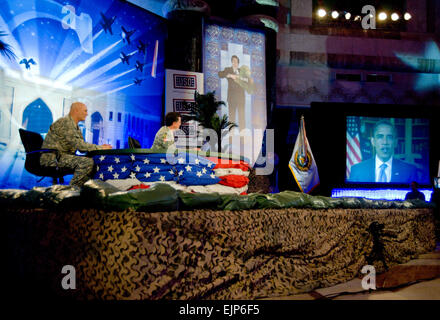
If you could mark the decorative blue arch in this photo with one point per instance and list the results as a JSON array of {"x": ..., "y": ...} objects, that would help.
[
  {"x": 97, "y": 127},
  {"x": 37, "y": 117}
]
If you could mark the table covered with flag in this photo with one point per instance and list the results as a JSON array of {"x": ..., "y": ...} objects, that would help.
[{"x": 191, "y": 172}]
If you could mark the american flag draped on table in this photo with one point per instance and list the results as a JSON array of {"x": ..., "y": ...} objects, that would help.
[{"x": 188, "y": 172}]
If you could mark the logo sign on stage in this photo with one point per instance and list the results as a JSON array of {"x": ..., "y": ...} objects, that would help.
[{"x": 180, "y": 88}]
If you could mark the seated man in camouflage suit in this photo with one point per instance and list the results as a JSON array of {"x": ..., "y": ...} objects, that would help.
[
  {"x": 65, "y": 136},
  {"x": 164, "y": 138}
]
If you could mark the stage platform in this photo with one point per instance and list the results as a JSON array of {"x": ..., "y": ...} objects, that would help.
[{"x": 206, "y": 253}]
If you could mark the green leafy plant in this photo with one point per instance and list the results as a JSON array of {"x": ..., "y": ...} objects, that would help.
[
  {"x": 204, "y": 111},
  {"x": 6, "y": 49}
]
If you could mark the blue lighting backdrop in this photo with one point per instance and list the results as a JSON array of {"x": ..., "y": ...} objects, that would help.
[{"x": 107, "y": 54}]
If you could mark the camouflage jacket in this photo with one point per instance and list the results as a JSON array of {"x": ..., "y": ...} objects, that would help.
[
  {"x": 164, "y": 138},
  {"x": 65, "y": 136}
]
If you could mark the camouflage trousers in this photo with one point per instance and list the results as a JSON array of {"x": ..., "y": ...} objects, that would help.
[{"x": 82, "y": 166}]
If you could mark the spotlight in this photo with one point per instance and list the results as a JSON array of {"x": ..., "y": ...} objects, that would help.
[
  {"x": 322, "y": 13},
  {"x": 407, "y": 16},
  {"x": 383, "y": 16},
  {"x": 335, "y": 14},
  {"x": 357, "y": 18},
  {"x": 395, "y": 17},
  {"x": 348, "y": 16}
]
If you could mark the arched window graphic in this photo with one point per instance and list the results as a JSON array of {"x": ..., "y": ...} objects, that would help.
[
  {"x": 97, "y": 128},
  {"x": 37, "y": 117},
  {"x": 82, "y": 128}
]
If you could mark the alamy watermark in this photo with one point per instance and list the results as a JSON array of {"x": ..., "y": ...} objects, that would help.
[
  {"x": 369, "y": 281},
  {"x": 69, "y": 280},
  {"x": 369, "y": 20}
]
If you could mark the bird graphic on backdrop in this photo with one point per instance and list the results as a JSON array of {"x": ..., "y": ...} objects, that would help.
[{"x": 28, "y": 63}]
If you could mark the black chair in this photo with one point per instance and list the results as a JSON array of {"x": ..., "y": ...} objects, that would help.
[
  {"x": 133, "y": 143},
  {"x": 32, "y": 143}
]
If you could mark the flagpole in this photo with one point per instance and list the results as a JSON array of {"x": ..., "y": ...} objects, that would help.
[{"x": 303, "y": 136}]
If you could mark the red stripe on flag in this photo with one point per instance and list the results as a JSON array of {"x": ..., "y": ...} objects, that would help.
[{"x": 355, "y": 154}]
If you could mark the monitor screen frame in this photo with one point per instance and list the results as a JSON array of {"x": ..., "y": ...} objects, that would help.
[
  {"x": 330, "y": 158},
  {"x": 365, "y": 136}
]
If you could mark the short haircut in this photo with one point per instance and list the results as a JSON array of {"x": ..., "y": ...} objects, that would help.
[
  {"x": 171, "y": 117},
  {"x": 234, "y": 56},
  {"x": 75, "y": 105},
  {"x": 384, "y": 123}
]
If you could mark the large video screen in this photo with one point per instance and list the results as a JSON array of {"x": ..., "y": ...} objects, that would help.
[
  {"x": 387, "y": 150},
  {"x": 107, "y": 54},
  {"x": 235, "y": 68}
]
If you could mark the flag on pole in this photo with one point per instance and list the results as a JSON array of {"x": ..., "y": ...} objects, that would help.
[
  {"x": 302, "y": 164},
  {"x": 354, "y": 154}
]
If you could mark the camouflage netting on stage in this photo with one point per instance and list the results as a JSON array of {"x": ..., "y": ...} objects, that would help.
[
  {"x": 163, "y": 197},
  {"x": 208, "y": 254},
  {"x": 236, "y": 247}
]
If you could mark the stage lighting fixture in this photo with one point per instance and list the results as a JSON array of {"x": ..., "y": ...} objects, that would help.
[
  {"x": 383, "y": 16},
  {"x": 407, "y": 16},
  {"x": 335, "y": 14},
  {"x": 321, "y": 13},
  {"x": 348, "y": 16},
  {"x": 395, "y": 17},
  {"x": 357, "y": 18}
]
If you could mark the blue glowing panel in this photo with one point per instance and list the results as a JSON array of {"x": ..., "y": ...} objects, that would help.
[
  {"x": 108, "y": 54},
  {"x": 378, "y": 194}
]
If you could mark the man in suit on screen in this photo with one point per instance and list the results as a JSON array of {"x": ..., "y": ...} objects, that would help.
[
  {"x": 383, "y": 167},
  {"x": 239, "y": 80}
]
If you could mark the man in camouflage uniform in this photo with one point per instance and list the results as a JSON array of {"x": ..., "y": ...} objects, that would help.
[
  {"x": 65, "y": 136},
  {"x": 164, "y": 138}
]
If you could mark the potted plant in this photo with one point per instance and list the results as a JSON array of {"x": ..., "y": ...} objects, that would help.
[{"x": 204, "y": 111}]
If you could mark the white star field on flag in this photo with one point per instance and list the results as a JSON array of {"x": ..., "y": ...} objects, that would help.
[{"x": 187, "y": 169}]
